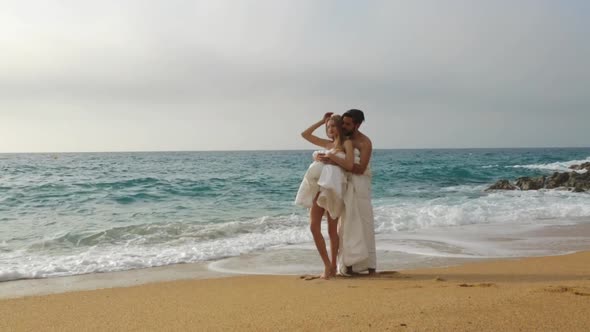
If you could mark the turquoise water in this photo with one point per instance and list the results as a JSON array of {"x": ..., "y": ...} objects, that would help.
[{"x": 63, "y": 214}]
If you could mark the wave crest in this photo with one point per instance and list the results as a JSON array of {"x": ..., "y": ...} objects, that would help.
[{"x": 560, "y": 166}]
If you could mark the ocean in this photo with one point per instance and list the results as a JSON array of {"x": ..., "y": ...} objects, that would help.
[{"x": 77, "y": 213}]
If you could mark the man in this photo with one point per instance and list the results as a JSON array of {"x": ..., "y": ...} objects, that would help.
[{"x": 357, "y": 234}]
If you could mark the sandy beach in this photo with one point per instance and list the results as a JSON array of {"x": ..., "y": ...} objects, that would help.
[{"x": 532, "y": 294}]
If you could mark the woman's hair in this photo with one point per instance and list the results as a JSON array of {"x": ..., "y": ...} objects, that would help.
[{"x": 338, "y": 141}]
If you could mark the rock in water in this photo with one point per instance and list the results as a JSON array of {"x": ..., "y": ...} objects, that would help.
[
  {"x": 576, "y": 181},
  {"x": 502, "y": 185},
  {"x": 528, "y": 183},
  {"x": 557, "y": 180},
  {"x": 578, "y": 190},
  {"x": 585, "y": 166},
  {"x": 581, "y": 182}
]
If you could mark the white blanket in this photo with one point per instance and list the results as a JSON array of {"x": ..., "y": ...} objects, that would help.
[{"x": 356, "y": 226}]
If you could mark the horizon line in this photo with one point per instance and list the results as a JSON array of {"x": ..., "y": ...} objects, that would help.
[{"x": 277, "y": 150}]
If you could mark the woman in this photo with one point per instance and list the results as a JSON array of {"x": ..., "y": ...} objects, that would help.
[{"x": 323, "y": 185}]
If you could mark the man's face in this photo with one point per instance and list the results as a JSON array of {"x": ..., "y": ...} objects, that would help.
[{"x": 348, "y": 126}]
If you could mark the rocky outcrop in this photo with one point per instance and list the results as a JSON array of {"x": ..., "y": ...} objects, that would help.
[
  {"x": 557, "y": 180},
  {"x": 576, "y": 181},
  {"x": 579, "y": 181},
  {"x": 502, "y": 185},
  {"x": 585, "y": 166},
  {"x": 528, "y": 183}
]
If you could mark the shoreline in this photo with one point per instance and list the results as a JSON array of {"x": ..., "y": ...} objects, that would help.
[
  {"x": 302, "y": 259},
  {"x": 20, "y": 288},
  {"x": 537, "y": 293}
]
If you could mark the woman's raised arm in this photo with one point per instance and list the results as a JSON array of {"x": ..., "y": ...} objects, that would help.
[{"x": 310, "y": 137}]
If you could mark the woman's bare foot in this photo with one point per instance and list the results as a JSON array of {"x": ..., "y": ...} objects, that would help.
[
  {"x": 327, "y": 273},
  {"x": 334, "y": 271}
]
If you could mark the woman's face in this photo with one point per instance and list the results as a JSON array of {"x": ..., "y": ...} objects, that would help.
[{"x": 332, "y": 129}]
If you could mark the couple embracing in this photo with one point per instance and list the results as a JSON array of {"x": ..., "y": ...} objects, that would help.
[{"x": 338, "y": 184}]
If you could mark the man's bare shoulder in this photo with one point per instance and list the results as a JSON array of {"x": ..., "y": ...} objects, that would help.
[
  {"x": 363, "y": 141},
  {"x": 367, "y": 140}
]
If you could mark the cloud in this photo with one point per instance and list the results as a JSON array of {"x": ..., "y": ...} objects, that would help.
[{"x": 461, "y": 56}]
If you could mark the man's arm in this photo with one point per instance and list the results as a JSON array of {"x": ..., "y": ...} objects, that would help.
[
  {"x": 321, "y": 157},
  {"x": 366, "y": 152},
  {"x": 348, "y": 162}
]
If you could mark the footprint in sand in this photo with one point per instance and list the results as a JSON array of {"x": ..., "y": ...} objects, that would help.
[
  {"x": 478, "y": 285},
  {"x": 559, "y": 289},
  {"x": 380, "y": 275},
  {"x": 309, "y": 277},
  {"x": 566, "y": 289},
  {"x": 389, "y": 275}
]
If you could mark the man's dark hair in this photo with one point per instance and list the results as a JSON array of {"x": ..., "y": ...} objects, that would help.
[{"x": 357, "y": 115}]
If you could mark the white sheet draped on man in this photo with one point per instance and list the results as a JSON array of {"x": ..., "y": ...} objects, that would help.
[{"x": 356, "y": 227}]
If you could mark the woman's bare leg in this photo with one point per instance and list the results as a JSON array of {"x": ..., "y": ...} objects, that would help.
[
  {"x": 315, "y": 215},
  {"x": 334, "y": 242}
]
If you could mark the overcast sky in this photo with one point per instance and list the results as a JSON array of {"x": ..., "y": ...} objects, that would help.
[{"x": 230, "y": 75}]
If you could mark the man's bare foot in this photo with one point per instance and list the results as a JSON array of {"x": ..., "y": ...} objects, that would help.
[
  {"x": 349, "y": 270},
  {"x": 334, "y": 271}
]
